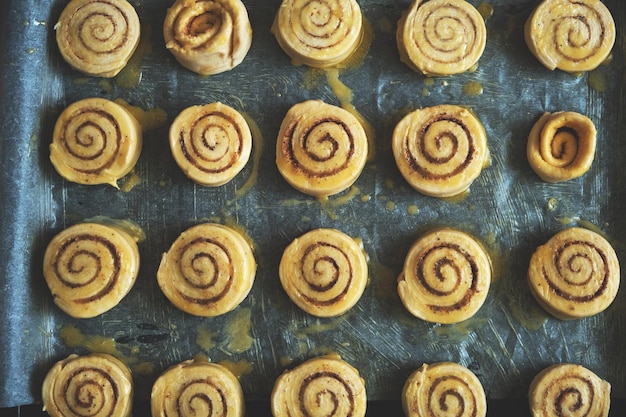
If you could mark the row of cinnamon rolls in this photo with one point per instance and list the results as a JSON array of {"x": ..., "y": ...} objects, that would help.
[
  {"x": 436, "y": 37},
  {"x": 321, "y": 149},
  {"x": 210, "y": 269},
  {"x": 101, "y": 385}
]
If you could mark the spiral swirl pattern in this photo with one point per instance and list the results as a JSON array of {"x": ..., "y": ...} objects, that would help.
[
  {"x": 95, "y": 141},
  {"x": 569, "y": 390},
  {"x": 443, "y": 389},
  {"x": 324, "y": 272},
  {"x": 321, "y": 149},
  {"x": 323, "y": 386},
  {"x": 98, "y": 37},
  {"x": 571, "y": 35},
  {"x": 95, "y": 385},
  {"x": 440, "y": 150},
  {"x": 441, "y": 37},
  {"x": 561, "y": 146},
  {"x": 208, "y": 270},
  {"x": 210, "y": 143},
  {"x": 446, "y": 277},
  {"x": 575, "y": 274},
  {"x": 318, "y": 33},
  {"x": 208, "y": 36},
  {"x": 197, "y": 388},
  {"x": 90, "y": 267}
]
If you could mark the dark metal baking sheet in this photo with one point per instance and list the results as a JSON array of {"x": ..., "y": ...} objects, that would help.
[{"x": 509, "y": 209}]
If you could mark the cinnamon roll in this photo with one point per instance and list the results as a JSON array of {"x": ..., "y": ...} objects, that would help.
[
  {"x": 208, "y": 271},
  {"x": 96, "y": 385},
  {"x": 95, "y": 141},
  {"x": 572, "y": 36},
  {"x": 322, "y": 386},
  {"x": 319, "y": 33},
  {"x": 199, "y": 388},
  {"x": 210, "y": 143},
  {"x": 440, "y": 150},
  {"x": 208, "y": 36},
  {"x": 575, "y": 274},
  {"x": 561, "y": 146},
  {"x": 98, "y": 37},
  {"x": 324, "y": 272},
  {"x": 443, "y": 389},
  {"x": 441, "y": 37},
  {"x": 90, "y": 267},
  {"x": 569, "y": 390},
  {"x": 446, "y": 277},
  {"x": 321, "y": 149}
]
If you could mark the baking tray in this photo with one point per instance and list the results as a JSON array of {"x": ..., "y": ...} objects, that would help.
[{"x": 508, "y": 208}]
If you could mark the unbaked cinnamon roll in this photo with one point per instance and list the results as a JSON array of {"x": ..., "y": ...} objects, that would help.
[
  {"x": 569, "y": 390},
  {"x": 90, "y": 267},
  {"x": 197, "y": 388},
  {"x": 98, "y": 37},
  {"x": 440, "y": 150},
  {"x": 208, "y": 36},
  {"x": 322, "y": 386},
  {"x": 446, "y": 277},
  {"x": 324, "y": 272},
  {"x": 572, "y": 36},
  {"x": 441, "y": 37},
  {"x": 318, "y": 33},
  {"x": 95, "y": 141},
  {"x": 208, "y": 271},
  {"x": 561, "y": 146},
  {"x": 443, "y": 389},
  {"x": 92, "y": 385},
  {"x": 575, "y": 274},
  {"x": 321, "y": 149},
  {"x": 210, "y": 143}
]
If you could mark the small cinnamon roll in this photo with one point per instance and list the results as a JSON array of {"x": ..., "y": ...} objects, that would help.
[
  {"x": 322, "y": 386},
  {"x": 443, "y": 389},
  {"x": 321, "y": 149},
  {"x": 561, "y": 146},
  {"x": 210, "y": 143},
  {"x": 569, "y": 390},
  {"x": 575, "y": 274},
  {"x": 94, "y": 385},
  {"x": 446, "y": 277},
  {"x": 324, "y": 272},
  {"x": 441, "y": 37},
  {"x": 95, "y": 141},
  {"x": 318, "y": 33},
  {"x": 98, "y": 37},
  {"x": 572, "y": 36},
  {"x": 208, "y": 271},
  {"x": 208, "y": 36},
  {"x": 197, "y": 388},
  {"x": 440, "y": 150},
  {"x": 90, "y": 267}
]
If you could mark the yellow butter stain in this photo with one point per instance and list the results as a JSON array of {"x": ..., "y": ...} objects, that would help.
[
  {"x": 237, "y": 331},
  {"x": 72, "y": 337},
  {"x": 330, "y": 204},
  {"x": 130, "y": 76},
  {"x": 148, "y": 119},
  {"x": 206, "y": 339},
  {"x": 130, "y": 181}
]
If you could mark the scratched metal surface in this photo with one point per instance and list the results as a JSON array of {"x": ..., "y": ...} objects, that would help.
[{"x": 508, "y": 341}]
